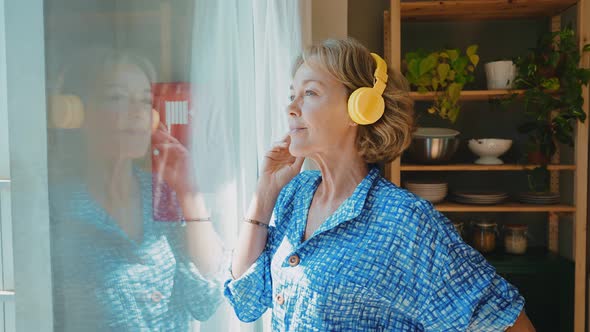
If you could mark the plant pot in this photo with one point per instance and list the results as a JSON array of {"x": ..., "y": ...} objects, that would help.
[
  {"x": 500, "y": 75},
  {"x": 537, "y": 158}
]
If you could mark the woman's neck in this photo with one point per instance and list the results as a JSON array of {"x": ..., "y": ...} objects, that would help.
[
  {"x": 112, "y": 183},
  {"x": 341, "y": 174}
]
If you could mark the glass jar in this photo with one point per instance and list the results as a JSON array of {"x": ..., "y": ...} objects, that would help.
[
  {"x": 484, "y": 236},
  {"x": 515, "y": 238},
  {"x": 459, "y": 227}
]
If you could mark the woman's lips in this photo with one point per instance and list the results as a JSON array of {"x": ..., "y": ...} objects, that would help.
[{"x": 297, "y": 130}]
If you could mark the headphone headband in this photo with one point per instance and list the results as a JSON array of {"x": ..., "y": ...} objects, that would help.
[{"x": 366, "y": 104}]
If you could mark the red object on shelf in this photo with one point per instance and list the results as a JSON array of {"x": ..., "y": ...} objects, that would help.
[{"x": 172, "y": 102}]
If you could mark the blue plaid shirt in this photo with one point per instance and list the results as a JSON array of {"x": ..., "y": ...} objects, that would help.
[
  {"x": 385, "y": 260},
  {"x": 105, "y": 281}
]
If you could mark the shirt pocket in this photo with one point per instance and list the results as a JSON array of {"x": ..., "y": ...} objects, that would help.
[{"x": 342, "y": 305}]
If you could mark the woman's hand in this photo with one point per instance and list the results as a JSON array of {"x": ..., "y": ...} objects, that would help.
[
  {"x": 172, "y": 163},
  {"x": 279, "y": 166}
]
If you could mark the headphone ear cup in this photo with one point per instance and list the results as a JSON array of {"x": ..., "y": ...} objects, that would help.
[
  {"x": 365, "y": 106},
  {"x": 66, "y": 111},
  {"x": 155, "y": 120}
]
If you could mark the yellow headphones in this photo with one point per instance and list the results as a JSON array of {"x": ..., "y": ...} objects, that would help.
[
  {"x": 366, "y": 104},
  {"x": 65, "y": 110}
]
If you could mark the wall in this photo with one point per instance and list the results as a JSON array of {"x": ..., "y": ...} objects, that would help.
[
  {"x": 365, "y": 22},
  {"x": 329, "y": 19}
]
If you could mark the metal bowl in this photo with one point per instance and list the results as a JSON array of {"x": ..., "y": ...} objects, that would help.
[{"x": 433, "y": 150}]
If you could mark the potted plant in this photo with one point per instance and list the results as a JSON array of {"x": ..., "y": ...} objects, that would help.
[
  {"x": 553, "y": 102},
  {"x": 444, "y": 72}
]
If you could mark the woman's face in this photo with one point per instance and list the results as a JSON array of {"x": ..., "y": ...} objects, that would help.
[
  {"x": 318, "y": 116},
  {"x": 119, "y": 116}
]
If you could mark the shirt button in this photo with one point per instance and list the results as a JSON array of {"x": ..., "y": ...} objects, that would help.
[
  {"x": 280, "y": 299},
  {"x": 157, "y": 296},
  {"x": 294, "y": 260}
]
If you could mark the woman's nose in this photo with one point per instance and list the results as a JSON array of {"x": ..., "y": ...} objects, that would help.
[{"x": 294, "y": 108}]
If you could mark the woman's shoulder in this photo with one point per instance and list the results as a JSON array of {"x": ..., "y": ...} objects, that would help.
[
  {"x": 300, "y": 183},
  {"x": 389, "y": 194},
  {"x": 401, "y": 204}
]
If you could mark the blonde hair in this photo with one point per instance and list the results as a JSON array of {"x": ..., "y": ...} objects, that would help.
[{"x": 351, "y": 64}]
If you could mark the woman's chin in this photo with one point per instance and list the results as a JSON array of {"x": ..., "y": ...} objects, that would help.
[{"x": 297, "y": 151}]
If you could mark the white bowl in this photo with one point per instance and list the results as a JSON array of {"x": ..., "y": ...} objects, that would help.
[{"x": 489, "y": 149}]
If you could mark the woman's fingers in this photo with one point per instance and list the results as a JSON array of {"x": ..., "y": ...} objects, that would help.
[{"x": 162, "y": 135}]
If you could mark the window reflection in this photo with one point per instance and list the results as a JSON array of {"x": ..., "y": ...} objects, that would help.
[{"x": 114, "y": 266}]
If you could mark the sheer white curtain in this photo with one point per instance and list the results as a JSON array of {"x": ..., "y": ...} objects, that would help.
[{"x": 242, "y": 51}]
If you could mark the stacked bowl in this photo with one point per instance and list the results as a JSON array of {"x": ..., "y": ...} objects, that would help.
[{"x": 434, "y": 191}]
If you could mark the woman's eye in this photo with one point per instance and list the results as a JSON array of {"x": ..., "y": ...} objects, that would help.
[
  {"x": 291, "y": 98},
  {"x": 310, "y": 93}
]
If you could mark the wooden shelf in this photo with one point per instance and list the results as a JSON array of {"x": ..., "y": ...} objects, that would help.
[
  {"x": 469, "y": 94},
  {"x": 464, "y": 10},
  {"x": 475, "y": 167},
  {"x": 506, "y": 207}
]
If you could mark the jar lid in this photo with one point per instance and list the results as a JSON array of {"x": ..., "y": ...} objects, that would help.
[
  {"x": 485, "y": 224},
  {"x": 517, "y": 227}
]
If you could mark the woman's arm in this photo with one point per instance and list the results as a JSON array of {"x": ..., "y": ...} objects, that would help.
[
  {"x": 522, "y": 324},
  {"x": 252, "y": 240},
  {"x": 278, "y": 169}
]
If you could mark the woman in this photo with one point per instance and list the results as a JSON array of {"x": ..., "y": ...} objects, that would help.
[
  {"x": 116, "y": 267},
  {"x": 346, "y": 250}
]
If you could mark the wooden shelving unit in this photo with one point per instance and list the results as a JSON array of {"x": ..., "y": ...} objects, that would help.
[
  {"x": 467, "y": 95},
  {"x": 478, "y": 10},
  {"x": 479, "y": 168},
  {"x": 481, "y": 9},
  {"x": 506, "y": 207}
]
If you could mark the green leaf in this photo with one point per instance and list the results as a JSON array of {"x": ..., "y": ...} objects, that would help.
[
  {"x": 422, "y": 89},
  {"x": 460, "y": 64},
  {"x": 443, "y": 55},
  {"x": 454, "y": 113},
  {"x": 428, "y": 64},
  {"x": 471, "y": 50},
  {"x": 411, "y": 56},
  {"x": 443, "y": 70},
  {"x": 434, "y": 83},
  {"x": 460, "y": 78},
  {"x": 424, "y": 80},
  {"x": 474, "y": 59},
  {"x": 453, "y": 55},
  {"x": 551, "y": 84},
  {"x": 455, "y": 91},
  {"x": 414, "y": 67},
  {"x": 451, "y": 75},
  {"x": 586, "y": 48}
]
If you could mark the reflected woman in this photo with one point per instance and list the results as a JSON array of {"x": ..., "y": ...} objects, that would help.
[{"x": 114, "y": 266}]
